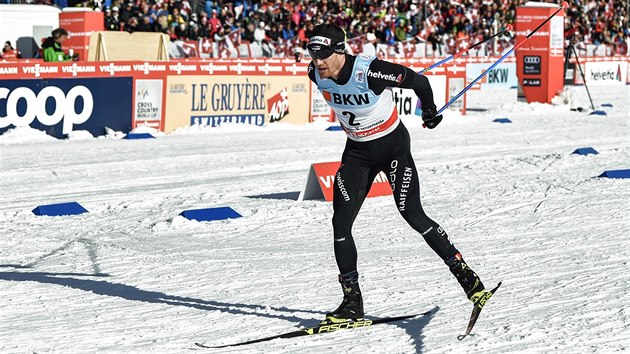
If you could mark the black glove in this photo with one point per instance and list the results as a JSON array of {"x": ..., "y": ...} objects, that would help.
[{"x": 430, "y": 118}]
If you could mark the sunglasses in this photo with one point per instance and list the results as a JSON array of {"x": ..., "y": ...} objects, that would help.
[{"x": 318, "y": 51}]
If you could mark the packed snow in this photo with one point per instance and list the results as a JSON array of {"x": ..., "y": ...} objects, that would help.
[{"x": 134, "y": 276}]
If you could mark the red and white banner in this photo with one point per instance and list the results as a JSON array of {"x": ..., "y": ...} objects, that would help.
[
  {"x": 80, "y": 26},
  {"x": 540, "y": 60},
  {"x": 321, "y": 179}
]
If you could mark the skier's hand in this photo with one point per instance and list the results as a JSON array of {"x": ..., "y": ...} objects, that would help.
[{"x": 430, "y": 118}]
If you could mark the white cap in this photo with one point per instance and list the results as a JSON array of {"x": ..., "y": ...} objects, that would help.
[{"x": 371, "y": 37}]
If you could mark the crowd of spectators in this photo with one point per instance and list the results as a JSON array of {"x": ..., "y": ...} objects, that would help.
[
  {"x": 438, "y": 23},
  {"x": 599, "y": 22}
]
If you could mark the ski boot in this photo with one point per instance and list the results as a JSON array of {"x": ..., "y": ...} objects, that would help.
[
  {"x": 351, "y": 308},
  {"x": 468, "y": 279}
]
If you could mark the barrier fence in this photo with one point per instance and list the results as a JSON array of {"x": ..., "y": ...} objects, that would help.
[{"x": 122, "y": 95}]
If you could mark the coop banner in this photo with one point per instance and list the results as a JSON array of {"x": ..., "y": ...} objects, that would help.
[
  {"x": 59, "y": 106},
  {"x": 237, "y": 99}
]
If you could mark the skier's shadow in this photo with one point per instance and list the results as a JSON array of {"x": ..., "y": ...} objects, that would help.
[
  {"x": 132, "y": 293},
  {"x": 413, "y": 326}
]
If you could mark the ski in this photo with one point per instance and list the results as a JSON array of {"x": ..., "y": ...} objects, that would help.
[
  {"x": 325, "y": 328},
  {"x": 477, "y": 310}
]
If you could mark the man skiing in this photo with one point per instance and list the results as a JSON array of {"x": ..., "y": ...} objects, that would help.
[{"x": 356, "y": 88}]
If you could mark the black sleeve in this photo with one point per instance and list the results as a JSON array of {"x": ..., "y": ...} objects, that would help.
[
  {"x": 311, "y": 72},
  {"x": 384, "y": 74}
]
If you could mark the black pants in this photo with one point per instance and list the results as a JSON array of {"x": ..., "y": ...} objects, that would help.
[{"x": 361, "y": 162}]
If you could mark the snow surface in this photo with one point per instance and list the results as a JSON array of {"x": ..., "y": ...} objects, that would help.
[{"x": 133, "y": 276}]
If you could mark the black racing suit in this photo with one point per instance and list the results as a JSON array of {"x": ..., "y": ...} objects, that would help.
[{"x": 362, "y": 161}]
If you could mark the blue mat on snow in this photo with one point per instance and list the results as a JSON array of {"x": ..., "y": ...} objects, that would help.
[
  {"x": 210, "y": 214},
  {"x": 72, "y": 208}
]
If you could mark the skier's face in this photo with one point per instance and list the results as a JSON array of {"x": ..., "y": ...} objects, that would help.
[{"x": 331, "y": 66}]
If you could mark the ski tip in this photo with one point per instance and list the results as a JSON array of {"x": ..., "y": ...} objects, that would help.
[
  {"x": 496, "y": 287},
  {"x": 430, "y": 312}
]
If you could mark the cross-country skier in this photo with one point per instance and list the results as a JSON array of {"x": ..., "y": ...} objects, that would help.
[{"x": 356, "y": 88}]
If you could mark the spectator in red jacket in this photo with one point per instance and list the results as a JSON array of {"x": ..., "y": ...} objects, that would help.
[
  {"x": 214, "y": 24},
  {"x": 8, "y": 52}
]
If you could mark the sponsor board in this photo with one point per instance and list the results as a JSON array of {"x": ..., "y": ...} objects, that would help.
[
  {"x": 321, "y": 181},
  {"x": 80, "y": 26},
  {"x": 503, "y": 75},
  {"x": 532, "y": 64},
  {"x": 541, "y": 54},
  {"x": 149, "y": 69},
  {"x": 148, "y": 103},
  {"x": 406, "y": 99},
  {"x": 320, "y": 110},
  {"x": 278, "y": 106},
  {"x": 606, "y": 73},
  {"x": 61, "y": 106},
  {"x": 256, "y": 100},
  {"x": 455, "y": 86},
  {"x": 216, "y": 120},
  {"x": 531, "y": 82},
  {"x": 556, "y": 35}
]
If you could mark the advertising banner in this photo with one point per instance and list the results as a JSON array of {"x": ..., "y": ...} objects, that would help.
[
  {"x": 320, "y": 110},
  {"x": 321, "y": 179},
  {"x": 59, "y": 106},
  {"x": 80, "y": 26},
  {"x": 255, "y": 100},
  {"x": 540, "y": 60},
  {"x": 455, "y": 86},
  {"x": 446, "y": 81},
  {"x": 503, "y": 75},
  {"x": 606, "y": 73},
  {"x": 148, "y": 104},
  {"x": 406, "y": 99}
]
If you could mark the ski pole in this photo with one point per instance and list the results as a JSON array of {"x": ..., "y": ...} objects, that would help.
[
  {"x": 564, "y": 5},
  {"x": 507, "y": 28},
  {"x": 577, "y": 61}
]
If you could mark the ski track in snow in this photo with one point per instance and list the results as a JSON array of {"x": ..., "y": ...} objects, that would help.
[{"x": 133, "y": 276}]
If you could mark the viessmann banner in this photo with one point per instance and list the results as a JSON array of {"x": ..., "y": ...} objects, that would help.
[
  {"x": 59, "y": 106},
  {"x": 218, "y": 99}
]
